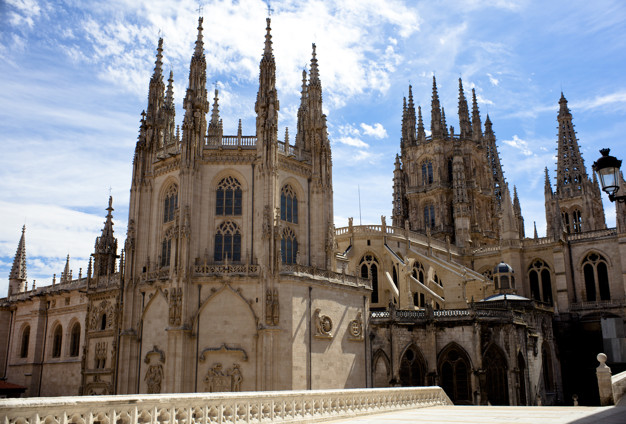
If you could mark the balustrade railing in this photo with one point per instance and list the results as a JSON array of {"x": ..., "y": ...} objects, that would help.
[
  {"x": 210, "y": 408},
  {"x": 599, "y": 304},
  {"x": 326, "y": 274},
  {"x": 222, "y": 269}
]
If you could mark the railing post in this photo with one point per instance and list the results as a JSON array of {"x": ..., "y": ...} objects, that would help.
[{"x": 605, "y": 387}]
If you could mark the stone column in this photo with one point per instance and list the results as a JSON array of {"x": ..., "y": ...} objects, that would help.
[{"x": 603, "y": 372}]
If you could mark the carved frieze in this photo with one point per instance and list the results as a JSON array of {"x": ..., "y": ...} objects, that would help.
[{"x": 218, "y": 380}]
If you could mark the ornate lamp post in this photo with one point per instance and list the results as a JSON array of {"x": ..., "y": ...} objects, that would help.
[{"x": 607, "y": 168}]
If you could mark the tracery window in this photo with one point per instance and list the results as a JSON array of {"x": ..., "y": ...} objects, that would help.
[
  {"x": 57, "y": 338},
  {"x": 429, "y": 216},
  {"x": 170, "y": 203},
  {"x": 75, "y": 340},
  {"x": 577, "y": 221},
  {"x": 427, "y": 172},
  {"x": 496, "y": 369},
  {"x": 596, "y": 273},
  {"x": 412, "y": 368},
  {"x": 289, "y": 246},
  {"x": 166, "y": 252},
  {"x": 566, "y": 225},
  {"x": 288, "y": 204},
  {"x": 228, "y": 197},
  {"x": 454, "y": 369},
  {"x": 369, "y": 267},
  {"x": 25, "y": 342},
  {"x": 540, "y": 281},
  {"x": 228, "y": 242},
  {"x": 418, "y": 272}
]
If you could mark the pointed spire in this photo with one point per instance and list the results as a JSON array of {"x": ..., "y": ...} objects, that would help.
[
  {"x": 464, "y": 121},
  {"x": 199, "y": 50},
  {"x": 493, "y": 158},
  {"x": 65, "y": 275},
  {"x": 477, "y": 131},
  {"x": 239, "y": 132},
  {"x": 215, "y": 114},
  {"x": 435, "y": 113},
  {"x": 315, "y": 75},
  {"x": 535, "y": 235},
  {"x": 169, "y": 94},
  {"x": 547, "y": 185},
  {"x": 158, "y": 64},
  {"x": 421, "y": 133},
  {"x": 410, "y": 120},
  {"x": 286, "y": 137},
  {"x": 516, "y": 205},
  {"x": 444, "y": 125},
  {"x": 268, "y": 51},
  {"x": 18, "y": 270},
  {"x": 105, "y": 251}
]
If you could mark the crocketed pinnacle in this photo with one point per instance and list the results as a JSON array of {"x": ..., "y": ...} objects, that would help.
[
  {"x": 303, "y": 89},
  {"x": 18, "y": 270},
  {"x": 267, "y": 51},
  {"x": 169, "y": 94},
  {"x": 477, "y": 131},
  {"x": 66, "y": 271},
  {"x": 158, "y": 64},
  {"x": 215, "y": 113},
  {"x": 464, "y": 121},
  {"x": 315, "y": 74},
  {"x": 421, "y": 133},
  {"x": 444, "y": 125},
  {"x": 199, "y": 50},
  {"x": 547, "y": 185},
  {"x": 435, "y": 113}
]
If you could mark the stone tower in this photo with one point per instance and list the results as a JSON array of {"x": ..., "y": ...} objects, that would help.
[
  {"x": 452, "y": 185},
  {"x": 577, "y": 201}
]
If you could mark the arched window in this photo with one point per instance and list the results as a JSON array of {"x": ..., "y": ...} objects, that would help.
[
  {"x": 103, "y": 322},
  {"x": 166, "y": 252},
  {"x": 596, "y": 273},
  {"x": 540, "y": 281},
  {"x": 57, "y": 339},
  {"x": 437, "y": 280},
  {"x": 418, "y": 272},
  {"x": 454, "y": 369},
  {"x": 495, "y": 367},
  {"x": 228, "y": 197},
  {"x": 170, "y": 203},
  {"x": 427, "y": 172},
  {"x": 429, "y": 216},
  {"x": 228, "y": 242},
  {"x": 450, "y": 174},
  {"x": 546, "y": 366},
  {"x": 289, "y": 246},
  {"x": 566, "y": 225},
  {"x": 288, "y": 204},
  {"x": 412, "y": 368},
  {"x": 25, "y": 342},
  {"x": 394, "y": 276},
  {"x": 369, "y": 267},
  {"x": 577, "y": 221},
  {"x": 75, "y": 340}
]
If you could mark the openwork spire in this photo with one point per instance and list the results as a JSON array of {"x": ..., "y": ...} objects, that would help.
[
  {"x": 410, "y": 120},
  {"x": 315, "y": 74},
  {"x": 158, "y": 64},
  {"x": 267, "y": 51},
  {"x": 18, "y": 270},
  {"x": 494, "y": 161},
  {"x": 570, "y": 171},
  {"x": 199, "y": 50}
]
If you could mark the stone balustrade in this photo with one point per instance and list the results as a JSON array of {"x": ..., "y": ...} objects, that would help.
[{"x": 209, "y": 408}]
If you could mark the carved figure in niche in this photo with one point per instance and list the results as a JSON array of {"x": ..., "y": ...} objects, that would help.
[
  {"x": 175, "y": 306},
  {"x": 323, "y": 325},
  {"x": 100, "y": 355},
  {"x": 272, "y": 309},
  {"x": 217, "y": 380},
  {"x": 356, "y": 328},
  {"x": 267, "y": 224},
  {"x": 154, "y": 377}
]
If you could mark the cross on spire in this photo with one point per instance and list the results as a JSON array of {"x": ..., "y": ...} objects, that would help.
[
  {"x": 199, "y": 8},
  {"x": 269, "y": 9}
]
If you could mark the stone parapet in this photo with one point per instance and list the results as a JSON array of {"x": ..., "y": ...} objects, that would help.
[{"x": 247, "y": 407}]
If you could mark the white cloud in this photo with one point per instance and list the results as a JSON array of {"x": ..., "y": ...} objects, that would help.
[
  {"x": 354, "y": 142},
  {"x": 494, "y": 81},
  {"x": 376, "y": 131},
  {"x": 600, "y": 101},
  {"x": 519, "y": 144}
]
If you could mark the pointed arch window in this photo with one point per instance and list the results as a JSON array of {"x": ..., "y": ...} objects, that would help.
[
  {"x": 166, "y": 252},
  {"x": 288, "y": 204},
  {"x": 228, "y": 197},
  {"x": 418, "y": 272},
  {"x": 427, "y": 172},
  {"x": 75, "y": 340},
  {"x": 228, "y": 242},
  {"x": 369, "y": 268},
  {"x": 454, "y": 369},
  {"x": 289, "y": 247},
  {"x": 596, "y": 273},
  {"x": 540, "y": 280},
  {"x": 429, "y": 216},
  {"x": 57, "y": 339},
  {"x": 577, "y": 221},
  {"x": 170, "y": 203},
  {"x": 496, "y": 369},
  {"x": 412, "y": 368},
  {"x": 25, "y": 342}
]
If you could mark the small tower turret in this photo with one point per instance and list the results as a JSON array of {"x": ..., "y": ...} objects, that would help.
[
  {"x": 105, "y": 252},
  {"x": 17, "y": 276}
]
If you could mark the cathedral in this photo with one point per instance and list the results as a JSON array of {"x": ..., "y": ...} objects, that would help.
[{"x": 233, "y": 277}]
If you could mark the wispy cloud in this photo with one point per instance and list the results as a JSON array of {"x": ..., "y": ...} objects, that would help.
[{"x": 377, "y": 130}]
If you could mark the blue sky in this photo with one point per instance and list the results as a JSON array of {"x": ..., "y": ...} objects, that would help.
[{"x": 75, "y": 80}]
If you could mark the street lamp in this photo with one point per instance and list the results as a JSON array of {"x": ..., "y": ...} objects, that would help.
[{"x": 607, "y": 168}]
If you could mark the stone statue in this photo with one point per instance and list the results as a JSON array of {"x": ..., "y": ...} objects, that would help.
[{"x": 154, "y": 377}]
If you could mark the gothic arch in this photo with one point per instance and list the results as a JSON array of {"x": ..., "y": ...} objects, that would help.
[
  {"x": 381, "y": 369},
  {"x": 496, "y": 375},
  {"x": 229, "y": 172},
  {"x": 413, "y": 366},
  {"x": 583, "y": 257},
  {"x": 213, "y": 295},
  {"x": 369, "y": 263},
  {"x": 158, "y": 292},
  {"x": 540, "y": 280},
  {"x": 295, "y": 184},
  {"x": 24, "y": 345},
  {"x": 56, "y": 339},
  {"x": 455, "y": 369},
  {"x": 595, "y": 268},
  {"x": 70, "y": 335}
]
